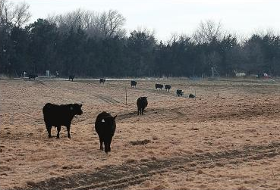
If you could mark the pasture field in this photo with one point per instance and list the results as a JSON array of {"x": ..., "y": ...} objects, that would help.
[{"x": 228, "y": 137}]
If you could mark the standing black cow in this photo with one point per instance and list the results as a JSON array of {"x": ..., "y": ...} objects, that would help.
[
  {"x": 58, "y": 115},
  {"x": 102, "y": 80},
  {"x": 71, "y": 77},
  {"x": 133, "y": 83},
  {"x": 159, "y": 86},
  {"x": 142, "y": 103},
  {"x": 179, "y": 92},
  {"x": 167, "y": 87},
  {"x": 32, "y": 76},
  {"x": 105, "y": 126}
]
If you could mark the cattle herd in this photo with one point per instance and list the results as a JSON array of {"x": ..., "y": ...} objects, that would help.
[{"x": 105, "y": 124}]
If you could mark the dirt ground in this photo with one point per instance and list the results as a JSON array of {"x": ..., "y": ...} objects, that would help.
[{"x": 228, "y": 137}]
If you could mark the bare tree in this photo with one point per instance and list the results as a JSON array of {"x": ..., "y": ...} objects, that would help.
[
  {"x": 14, "y": 14},
  {"x": 98, "y": 25},
  {"x": 207, "y": 31},
  {"x": 115, "y": 21},
  {"x": 21, "y": 14},
  {"x": 5, "y": 13},
  {"x": 175, "y": 37},
  {"x": 106, "y": 24}
]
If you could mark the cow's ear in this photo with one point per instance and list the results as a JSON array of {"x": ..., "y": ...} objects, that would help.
[
  {"x": 115, "y": 117},
  {"x": 81, "y": 105}
]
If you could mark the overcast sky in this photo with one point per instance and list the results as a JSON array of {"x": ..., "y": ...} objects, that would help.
[{"x": 167, "y": 17}]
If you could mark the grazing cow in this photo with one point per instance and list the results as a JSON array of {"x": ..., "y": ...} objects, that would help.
[
  {"x": 71, "y": 77},
  {"x": 102, "y": 81},
  {"x": 32, "y": 76},
  {"x": 179, "y": 92},
  {"x": 142, "y": 103},
  {"x": 58, "y": 115},
  {"x": 133, "y": 83},
  {"x": 105, "y": 126},
  {"x": 167, "y": 87},
  {"x": 191, "y": 96},
  {"x": 160, "y": 86}
]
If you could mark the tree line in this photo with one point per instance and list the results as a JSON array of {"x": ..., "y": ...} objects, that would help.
[{"x": 91, "y": 44}]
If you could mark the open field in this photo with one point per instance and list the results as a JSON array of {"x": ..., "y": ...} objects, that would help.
[{"x": 226, "y": 138}]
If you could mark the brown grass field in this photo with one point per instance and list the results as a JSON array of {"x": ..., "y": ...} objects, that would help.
[{"x": 228, "y": 137}]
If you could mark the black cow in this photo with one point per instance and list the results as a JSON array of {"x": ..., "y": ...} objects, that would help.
[
  {"x": 142, "y": 103},
  {"x": 32, "y": 76},
  {"x": 102, "y": 81},
  {"x": 167, "y": 87},
  {"x": 71, "y": 77},
  {"x": 105, "y": 126},
  {"x": 58, "y": 115},
  {"x": 179, "y": 92},
  {"x": 191, "y": 96},
  {"x": 133, "y": 83},
  {"x": 160, "y": 86}
]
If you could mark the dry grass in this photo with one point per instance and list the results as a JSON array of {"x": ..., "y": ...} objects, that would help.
[{"x": 179, "y": 143}]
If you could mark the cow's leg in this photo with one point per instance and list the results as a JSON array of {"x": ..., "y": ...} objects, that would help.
[
  {"x": 68, "y": 131},
  {"x": 139, "y": 111},
  {"x": 49, "y": 129},
  {"x": 101, "y": 143},
  {"x": 107, "y": 145},
  {"x": 58, "y": 130}
]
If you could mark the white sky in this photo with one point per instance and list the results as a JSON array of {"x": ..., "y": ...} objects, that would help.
[{"x": 167, "y": 17}]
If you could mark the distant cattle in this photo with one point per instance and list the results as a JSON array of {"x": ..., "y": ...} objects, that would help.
[
  {"x": 71, "y": 77},
  {"x": 159, "y": 86},
  {"x": 102, "y": 80},
  {"x": 133, "y": 83},
  {"x": 32, "y": 76},
  {"x": 191, "y": 96},
  {"x": 105, "y": 126},
  {"x": 179, "y": 92},
  {"x": 58, "y": 115},
  {"x": 142, "y": 103},
  {"x": 167, "y": 87}
]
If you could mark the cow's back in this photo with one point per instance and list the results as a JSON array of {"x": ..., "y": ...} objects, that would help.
[
  {"x": 142, "y": 102},
  {"x": 105, "y": 128},
  {"x": 57, "y": 114},
  {"x": 51, "y": 113}
]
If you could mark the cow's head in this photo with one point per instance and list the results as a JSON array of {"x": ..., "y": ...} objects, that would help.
[{"x": 76, "y": 109}]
